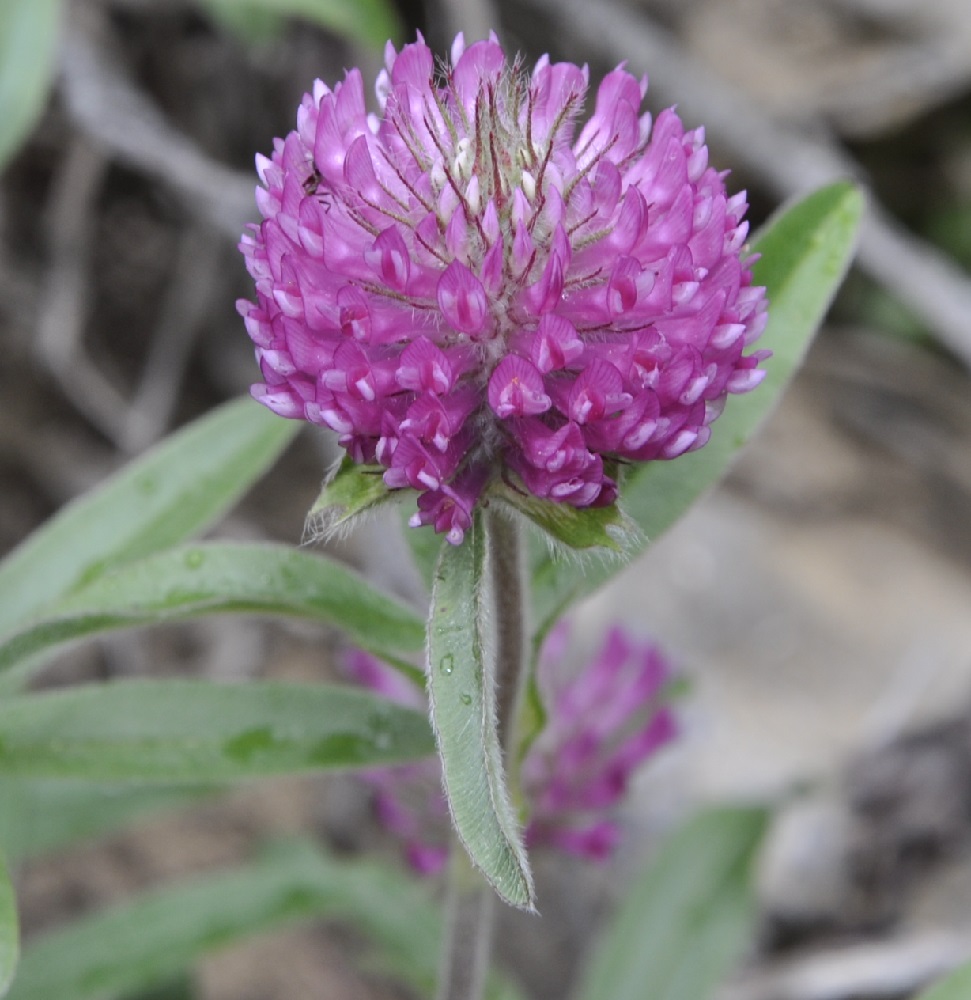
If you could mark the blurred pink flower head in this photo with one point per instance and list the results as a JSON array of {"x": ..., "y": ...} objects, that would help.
[
  {"x": 470, "y": 284},
  {"x": 602, "y": 724}
]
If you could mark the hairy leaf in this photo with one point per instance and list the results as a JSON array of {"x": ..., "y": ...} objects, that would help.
[
  {"x": 185, "y": 732},
  {"x": 462, "y": 694},
  {"x": 350, "y": 492},
  {"x": 687, "y": 918},
  {"x": 162, "y": 498},
  {"x": 217, "y": 577}
]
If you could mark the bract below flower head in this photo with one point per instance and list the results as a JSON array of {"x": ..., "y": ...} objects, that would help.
[{"x": 468, "y": 285}]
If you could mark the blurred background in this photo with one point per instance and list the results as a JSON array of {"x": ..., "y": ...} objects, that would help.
[{"x": 819, "y": 602}]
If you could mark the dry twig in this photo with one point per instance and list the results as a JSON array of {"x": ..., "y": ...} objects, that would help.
[
  {"x": 125, "y": 122},
  {"x": 187, "y": 299},
  {"x": 64, "y": 302}
]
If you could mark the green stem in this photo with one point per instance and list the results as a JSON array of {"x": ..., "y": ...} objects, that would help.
[
  {"x": 469, "y": 909},
  {"x": 505, "y": 561},
  {"x": 470, "y": 900}
]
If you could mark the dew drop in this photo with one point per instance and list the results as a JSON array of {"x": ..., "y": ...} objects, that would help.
[
  {"x": 465, "y": 698},
  {"x": 380, "y": 731},
  {"x": 194, "y": 558},
  {"x": 446, "y": 664}
]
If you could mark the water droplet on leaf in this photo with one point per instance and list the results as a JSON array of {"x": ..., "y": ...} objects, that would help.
[
  {"x": 446, "y": 664},
  {"x": 380, "y": 731}
]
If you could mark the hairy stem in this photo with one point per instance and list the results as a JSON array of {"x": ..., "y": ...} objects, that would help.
[
  {"x": 505, "y": 561},
  {"x": 469, "y": 910},
  {"x": 470, "y": 903}
]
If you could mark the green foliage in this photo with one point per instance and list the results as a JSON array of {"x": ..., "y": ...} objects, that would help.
[
  {"x": 956, "y": 986},
  {"x": 806, "y": 251},
  {"x": 152, "y": 938},
  {"x": 9, "y": 932},
  {"x": 604, "y": 529},
  {"x": 222, "y": 576},
  {"x": 250, "y": 23},
  {"x": 179, "y": 988},
  {"x": 462, "y": 693},
  {"x": 112, "y": 560},
  {"x": 28, "y": 43},
  {"x": 172, "y": 492},
  {"x": 687, "y": 918},
  {"x": 196, "y": 731},
  {"x": 370, "y": 22},
  {"x": 350, "y": 492},
  {"x": 42, "y": 815}
]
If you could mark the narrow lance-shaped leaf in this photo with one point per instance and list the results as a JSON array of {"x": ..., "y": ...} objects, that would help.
[
  {"x": 154, "y": 937},
  {"x": 461, "y": 690},
  {"x": 196, "y": 731},
  {"x": 252, "y": 25},
  {"x": 38, "y": 815},
  {"x": 9, "y": 930},
  {"x": 956, "y": 986},
  {"x": 687, "y": 919},
  {"x": 806, "y": 251},
  {"x": 28, "y": 41},
  {"x": 174, "y": 491},
  {"x": 371, "y": 22},
  {"x": 224, "y": 576}
]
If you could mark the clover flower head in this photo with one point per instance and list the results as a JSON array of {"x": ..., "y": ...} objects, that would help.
[
  {"x": 602, "y": 724},
  {"x": 470, "y": 284}
]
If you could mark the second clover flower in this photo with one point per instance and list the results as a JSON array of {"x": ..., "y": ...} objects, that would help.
[
  {"x": 467, "y": 286},
  {"x": 602, "y": 723}
]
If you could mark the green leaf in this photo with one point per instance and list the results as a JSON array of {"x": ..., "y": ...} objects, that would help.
[
  {"x": 252, "y": 24},
  {"x": 29, "y": 32},
  {"x": 598, "y": 528},
  {"x": 180, "y": 988},
  {"x": 195, "y": 731},
  {"x": 41, "y": 815},
  {"x": 371, "y": 22},
  {"x": 350, "y": 492},
  {"x": 152, "y": 938},
  {"x": 461, "y": 691},
  {"x": 174, "y": 491},
  {"x": 9, "y": 930},
  {"x": 224, "y": 576},
  {"x": 806, "y": 251},
  {"x": 688, "y": 918},
  {"x": 955, "y": 986}
]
